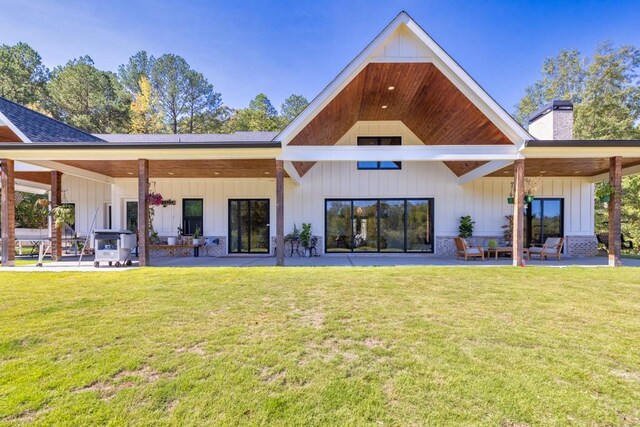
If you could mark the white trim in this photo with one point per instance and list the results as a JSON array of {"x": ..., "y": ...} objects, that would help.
[
  {"x": 471, "y": 89},
  {"x": 30, "y": 187},
  {"x": 463, "y": 81},
  {"x": 483, "y": 170},
  {"x": 338, "y": 83},
  {"x": 292, "y": 172},
  {"x": 400, "y": 153},
  {"x": 14, "y": 128},
  {"x": 74, "y": 171}
]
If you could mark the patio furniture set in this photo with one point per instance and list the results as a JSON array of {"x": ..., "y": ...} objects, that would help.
[{"x": 551, "y": 247}]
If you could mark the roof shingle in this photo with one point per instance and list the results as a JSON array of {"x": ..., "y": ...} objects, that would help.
[{"x": 40, "y": 128}]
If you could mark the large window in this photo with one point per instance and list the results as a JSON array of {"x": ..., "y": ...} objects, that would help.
[
  {"x": 379, "y": 225},
  {"x": 543, "y": 218},
  {"x": 379, "y": 140},
  {"x": 192, "y": 213}
]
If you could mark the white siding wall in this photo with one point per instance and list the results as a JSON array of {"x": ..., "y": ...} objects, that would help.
[
  {"x": 484, "y": 199},
  {"x": 88, "y": 196},
  {"x": 216, "y": 192}
]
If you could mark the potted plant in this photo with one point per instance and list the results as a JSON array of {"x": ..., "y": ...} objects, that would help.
[
  {"x": 493, "y": 244},
  {"x": 604, "y": 192},
  {"x": 62, "y": 215},
  {"x": 510, "y": 198},
  {"x": 174, "y": 239},
  {"x": 529, "y": 190},
  {"x": 305, "y": 237},
  {"x": 465, "y": 229},
  {"x": 196, "y": 236}
]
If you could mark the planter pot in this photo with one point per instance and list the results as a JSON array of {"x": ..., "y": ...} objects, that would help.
[
  {"x": 605, "y": 199},
  {"x": 528, "y": 199},
  {"x": 510, "y": 200},
  {"x": 197, "y": 242},
  {"x": 171, "y": 240}
]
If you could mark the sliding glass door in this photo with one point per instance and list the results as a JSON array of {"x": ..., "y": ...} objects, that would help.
[
  {"x": 249, "y": 226},
  {"x": 379, "y": 225},
  {"x": 543, "y": 218}
]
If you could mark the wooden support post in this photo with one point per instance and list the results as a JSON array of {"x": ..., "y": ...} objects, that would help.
[
  {"x": 143, "y": 212},
  {"x": 8, "y": 213},
  {"x": 615, "y": 205},
  {"x": 279, "y": 213},
  {"x": 56, "y": 200},
  {"x": 518, "y": 212}
]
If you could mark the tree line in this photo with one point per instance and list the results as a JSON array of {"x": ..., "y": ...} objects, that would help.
[
  {"x": 605, "y": 90},
  {"x": 145, "y": 95}
]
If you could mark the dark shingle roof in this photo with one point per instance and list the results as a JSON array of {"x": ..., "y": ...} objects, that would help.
[{"x": 40, "y": 128}]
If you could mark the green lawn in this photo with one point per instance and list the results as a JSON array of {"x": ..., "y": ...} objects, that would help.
[{"x": 340, "y": 346}]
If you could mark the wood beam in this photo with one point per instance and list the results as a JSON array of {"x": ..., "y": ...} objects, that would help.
[
  {"x": 279, "y": 213},
  {"x": 518, "y": 213},
  {"x": 8, "y": 212},
  {"x": 615, "y": 205},
  {"x": 56, "y": 200},
  {"x": 143, "y": 212}
]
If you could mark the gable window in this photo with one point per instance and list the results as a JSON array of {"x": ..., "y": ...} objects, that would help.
[{"x": 379, "y": 140}]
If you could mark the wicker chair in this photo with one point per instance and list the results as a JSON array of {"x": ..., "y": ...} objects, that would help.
[{"x": 464, "y": 249}]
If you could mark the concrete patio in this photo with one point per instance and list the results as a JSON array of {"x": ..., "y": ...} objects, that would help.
[{"x": 70, "y": 263}]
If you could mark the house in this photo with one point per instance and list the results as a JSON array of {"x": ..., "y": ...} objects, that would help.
[{"x": 387, "y": 158}]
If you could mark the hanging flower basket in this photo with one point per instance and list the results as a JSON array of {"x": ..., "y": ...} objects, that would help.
[
  {"x": 510, "y": 200},
  {"x": 154, "y": 199},
  {"x": 605, "y": 198},
  {"x": 528, "y": 199},
  {"x": 168, "y": 202}
]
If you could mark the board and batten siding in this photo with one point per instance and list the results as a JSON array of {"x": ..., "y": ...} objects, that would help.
[
  {"x": 215, "y": 193},
  {"x": 88, "y": 196},
  {"x": 484, "y": 199}
]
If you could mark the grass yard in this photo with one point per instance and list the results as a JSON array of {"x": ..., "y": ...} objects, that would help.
[{"x": 341, "y": 346}]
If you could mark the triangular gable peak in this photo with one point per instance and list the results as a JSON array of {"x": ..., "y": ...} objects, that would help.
[{"x": 405, "y": 75}]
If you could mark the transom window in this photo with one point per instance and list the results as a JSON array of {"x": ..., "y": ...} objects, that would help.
[{"x": 379, "y": 140}]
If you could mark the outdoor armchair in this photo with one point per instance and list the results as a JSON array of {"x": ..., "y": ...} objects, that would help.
[{"x": 552, "y": 246}]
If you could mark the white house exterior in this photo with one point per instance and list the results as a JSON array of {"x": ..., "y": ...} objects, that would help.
[{"x": 402, "y": 139}]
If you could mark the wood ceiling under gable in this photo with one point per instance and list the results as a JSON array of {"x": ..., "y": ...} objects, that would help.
[
  {"x": 7, "y": 135},
  {"x": 258, "y": 168},
  {"x": 423, "y": 99}
]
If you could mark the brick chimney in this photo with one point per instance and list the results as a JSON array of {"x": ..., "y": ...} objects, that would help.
[{"x": 553, "y": 121}]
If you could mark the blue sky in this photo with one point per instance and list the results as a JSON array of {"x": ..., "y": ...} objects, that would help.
[{"x": 284, "y": 47}]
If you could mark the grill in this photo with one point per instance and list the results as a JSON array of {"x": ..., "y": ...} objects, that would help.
[{"x": 113, "y": 247}]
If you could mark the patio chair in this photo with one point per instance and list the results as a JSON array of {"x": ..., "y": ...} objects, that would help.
[
  {"x": 551, "y": 246},
  {"x": 313, "y": 251},
  {"x": 464, "y": 249}
]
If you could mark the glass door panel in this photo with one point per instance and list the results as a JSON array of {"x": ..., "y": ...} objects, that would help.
[
  {"x": 365, "y": 225},
  {"x": 543, "y": 218},
  {"x": 419, "y": 226},
  {"x": 131, "y": 217},
  {"x": 392, "y": 225},
  {"x": 259, "y": 225},
  {"x": 249, "y": 226},
  {"x": 338, "y": 225}
]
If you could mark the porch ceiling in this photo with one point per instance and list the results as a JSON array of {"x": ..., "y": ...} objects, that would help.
[
  {"x": 423, "y": 99},
  {"x": 566, "y": 167},
  {"x": 258, "y": 168}
]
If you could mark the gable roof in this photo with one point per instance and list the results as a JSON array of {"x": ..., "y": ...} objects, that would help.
[
  {"x": 34, "y": 127},
  {"x": 426, "y": 50}
]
